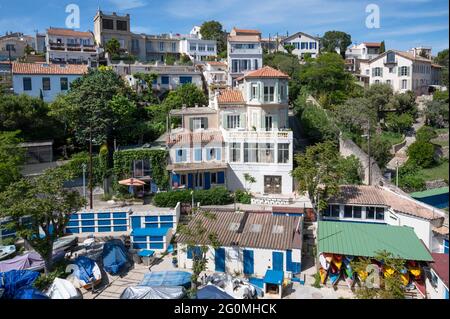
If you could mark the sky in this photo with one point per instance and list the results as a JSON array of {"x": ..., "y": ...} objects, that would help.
[{"x": 403, "y": 24}]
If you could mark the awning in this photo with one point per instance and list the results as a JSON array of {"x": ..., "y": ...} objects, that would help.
[{"x": 274, "y": 277}]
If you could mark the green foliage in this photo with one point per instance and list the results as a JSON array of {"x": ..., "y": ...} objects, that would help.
[
  {"x": 379, "y": 96},
  {"x": 214, "y": 196},
  {"x": 47, "y": 204},
  {"x": 289, "y": 48},
  {"x": 317, "y": 281},
  {"x": 169, "y": 59},
  {"x": 399, "y": 123},
  {"x": 333, "y": 40},
  {"x": 112, "y": 46},
  {"x": 353, "y": 115},
  {"x": 403, "y": 103},
  {"x": 11, "y": 158},
  {"x": 441, "y": 96},
  {"x": 421, "y": 153},
  {"x": 436, "y": 113},
  {"x": 242, "y": 196},
  {"x": 410, "y": 179},
  {"x": 74, "y": 167},
  {"x": 382, "y": 47},
  {"x": 379, "y": 149},
  {"x": 185, "y": 59},
  {"x": 188, "y": 94},
  {"x": 44, "y": 281},
  {"x": 317, "y": 124},
  {"x": 213, "y": 30},
  {"x": 426, "y": 134},
  {"x": 123, "y": 161},
  {"x": 442, "y": 59},
  {"x": 350, "y": 170}
]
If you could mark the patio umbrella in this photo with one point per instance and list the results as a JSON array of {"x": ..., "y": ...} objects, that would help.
[{"x": 132, "y": 182}]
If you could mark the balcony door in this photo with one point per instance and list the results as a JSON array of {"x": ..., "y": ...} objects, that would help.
[
  {"x": 272, "y": 184},
  {"x": 268, "y": 122}
]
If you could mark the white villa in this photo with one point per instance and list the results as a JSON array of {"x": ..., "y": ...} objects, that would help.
[
  {"x": 196, "y": 48},
  {"x": 362, "y": 52},
  {"x": 404, "y": 71},
  {"x": 216, "y": 73},
  {"x": 244, "y": 53},
  {"x": 303, "y": 44}
]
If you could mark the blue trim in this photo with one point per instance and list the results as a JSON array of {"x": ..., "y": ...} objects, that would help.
[
  {"x": 219, "y": 259},
  {"x": 135, "y": 222},
  {"x": 207, "y": 180},
  {"x": 120, "y": 215},
  {"x": 190, "y": 181},
  {"x": 87, "y": 216},
  {"x": 87, "y": 223},
  {"x": 156, "y": 246},
  {"x": 249, "y": 262},
  {"x": 88, "y": 229},
  {"x": 166, "y": 218},
  {"x": 104, "y": 229},
  {"x": 120, "y": 228},
  {"x": 103, "y": 215}
]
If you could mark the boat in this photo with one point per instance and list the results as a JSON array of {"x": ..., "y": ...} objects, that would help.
[
  {"x": 28, "y": 261},
  {"x": 147, "y": 292},
  {"x": 362, "y": 275},
  {"x": 323, "y": 261},
  {"x": 328, "y": 257},
  {"x": 323, "y": 275},
  {"x": 7, "y": 251},
  {"x": 405, "y": 278},
  {"x": 63, "y": 289},
  {"x": 84, "y": 272},
  {"x": 334, "y": 277},
  {"x": 333, "y": 269},
  {"x": 348, "y": 258},
  {"x": 337, "y": 260},
  {"x": 115, "y": 257},
  {"x": 65, "y": 243}
]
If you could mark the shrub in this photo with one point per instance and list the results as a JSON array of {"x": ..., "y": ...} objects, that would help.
[
  {"x": 317, "y": 124},
  {"x": 426, "y": 134},
  {"x": 399, "y": 123},
  {"x": 421, "y": 153},
  {"x": 44, "y": 281},
  {"x": 214, "y": 196},
  {"x": 242, "y": 197}
]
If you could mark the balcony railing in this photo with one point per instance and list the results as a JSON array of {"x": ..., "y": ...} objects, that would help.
[
  {"x": 258, "y": 134},
  {"x": 385, "y": 61},
  {"x": 246, "y": 51}
]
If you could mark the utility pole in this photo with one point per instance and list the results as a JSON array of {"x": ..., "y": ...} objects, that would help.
[
  {"x": 90, "y": 167},
  {"x": 84, "y": 181}
]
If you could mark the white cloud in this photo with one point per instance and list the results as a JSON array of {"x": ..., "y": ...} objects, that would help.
[
  {"x": 411, "y": 30},
  {"x": 128, "y": 4}
]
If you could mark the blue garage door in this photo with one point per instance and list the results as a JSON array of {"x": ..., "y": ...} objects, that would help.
[
  {"x": 248, "y": 262},
  {"x": 220, "y": 259},
  {"x": 277, "y": 261}
]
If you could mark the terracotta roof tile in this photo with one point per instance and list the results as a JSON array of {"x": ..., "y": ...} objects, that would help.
[
  {"x": 69, "y": 33},
  {"x": 247, "y": 31},
  {"x": 441, "y": 266},
  {"x": 216, "y": 63},
  {"x": 43, "y": 68},
  {"x": 230, "y": 96},
  {"x": 266, "y": 72},
  {"x": 244, "y": 38},
  {"x": 372, "y": 44}
]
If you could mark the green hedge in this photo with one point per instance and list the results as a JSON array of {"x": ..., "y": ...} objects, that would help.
[
  {"x": 243, "y": 197},
  {"x": 214, "y": 196}
]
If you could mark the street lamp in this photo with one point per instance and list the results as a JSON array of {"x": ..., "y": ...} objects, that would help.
[{"x": 84, "y": 166}]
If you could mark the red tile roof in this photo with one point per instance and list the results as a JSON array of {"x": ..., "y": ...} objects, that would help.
[
  {"x": 440, "y": 266},
  {"x": 266, "y": 72},
  {"x": 44, "y": 68},
  {"x": 372, "y": 44},
  {"x": 216, "y": 63},
  {"x": 230, "y": 96},
  {"x": 69, "y": 33},
  {"x": 247, "y": 31}
]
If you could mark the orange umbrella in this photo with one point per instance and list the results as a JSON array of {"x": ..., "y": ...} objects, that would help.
[{"x": 132, "y": 182}]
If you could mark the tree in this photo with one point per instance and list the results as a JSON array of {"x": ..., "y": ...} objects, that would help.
[
  {"x": 112, "y": 47},
  {"x": 382, "y": 47},
  {"x": 28, "y": 49},
  {"x": 410, "y": 179},
  {"x": 426, "y": 134},
  {"x": 194, "y": 231},
  {"x": 353, "y": 115},
  {"x": 169, "y": 59},
  {"x": 379, "y": 96},
  {"x": 399, "y": 123},
  {"x": 249, "y": 179},
  {"x": 403, "y": 103},
  {"x": 333, "y": 40},
  {"x": 289, "y": 48},
  {"x": 379, "y": 149},
  {"x": 442, "y": 59},
  {"x": 436, "y": 113},
  {"x": 317, "y": 125},
  {"x": 47, "y": 204},
  {"x": 350, "y": 170},
  {"x": 421, "y": 153},
  {"x": 317, "y": 173},
  {"x": 11, "y": 158},
  {"x": 213, "y": 30},
  {"x": 188, "y": 94}
]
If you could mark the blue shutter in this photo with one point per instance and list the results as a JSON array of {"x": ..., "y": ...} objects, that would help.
[
  {"x": 207, "y": 180},
  {"x": 135, "y": 222},
  {"x": 218, "y": 154},
  {"x": 190, "y": 181},
  {"x": 220, "y": 177},
  {"x": 178, "y": 155},
  {"x": 208, "y": 154},
  {"x": 219, "y": 259},
  {"x": 175, "y": 179},
  {"x": 248, "y": 262},
  {"x": 288, "y": 260},
  {"x": 189, "y": 253},
  {"x": 277, "y": 261},
  {"x": 198, "y": 154}
]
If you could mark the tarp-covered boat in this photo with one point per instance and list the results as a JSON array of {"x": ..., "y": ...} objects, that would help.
[
  {"x": 29, "y": 261},
  {"x": 167, "y": 279},
  {"x": 14, "y": 280},
  {"x": 6, "y": 251},
  {"x": 85, "y": 272},
  {"x": 65, "y": 243},
  {"x": 30, "y": 293},
  {"x": 212, "y": 292},
  {"x": 147, "y": 292},
  {"x": 63, "y": 289},
  {"x": 115, "y": 256}
]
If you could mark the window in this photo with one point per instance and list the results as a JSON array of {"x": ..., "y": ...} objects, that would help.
[
  {"x": 367, "y": 72},
  {"x": 268, "y": 122},
  {"x": 388, "y": 82},
  {"x": 404, "y": 84},
  {"x": 164, "y": 79},
  {"x": 379, "y": 213},
  {"x": 334, "y": 210},
  {"x": 213, "y": 154},
  {"x": 108, "y": 24},
  {"x": 201, "y": 47},
  {"x": 198, "y": 123},
  {"x": 183, "y": 179},
  {"x": 235, "y": 152},
  {"x": 233, "y": 121},
  {"x": 122, "y": 25},
  {"x": 266, "y": 153},
  {"x": 180, "y": 155},
  {"x": 282, "y": 92},
  {"x": 390, "y": 58},
  {"x": 283, "y": 153},
  {"x": 185, "y": 79},
  {"x": 327, "y": 212},
  {"x": 27, "y": 84},
  {"x": 213, "y": 178},
  {"x": 269, "y": 93},
  {"x": 174, "y": 47},
  {"x": 404, "y": 71},
  {"x": 244, "y": 65},
  {"x": 377, "y": 81},
  {"x": 235, "y": 66},
  {"x": 255, "y": 63},
  {"x": 46, "y": 84},
  {"x": 255, "y": 92},
  {"x": 141, "y": 168},
  {"x": 370, "y": 212},
  {"x": 357, "y": 211},
  {"x": 198, "y": 180},
  {"x": 10, "y": 47},
  {"x": 348, "y": 211},
  {"x": 193, "y": 47},
  {"x": 210, "y": 48},
  {"x": 391, "y": 70},
  {"x": 198, "y": 154},
  {"x": 161, "y": 46},
  {"x": 377, "y": 72},
  {"x": 250, "y": 153},
  {"x": 64, "y": 84},
  {"x": 134, "y": 44}
]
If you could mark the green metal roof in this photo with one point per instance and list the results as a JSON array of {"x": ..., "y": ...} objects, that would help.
[
  {"x": 430, "y": 192},
  {"x": 364, "y": 239}
]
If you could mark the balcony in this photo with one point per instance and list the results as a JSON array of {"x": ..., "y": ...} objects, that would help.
[
  {"x": 390, "y": 62},
  {"x": 246, "y": 51},
  {"x": 285, "y": 134}
]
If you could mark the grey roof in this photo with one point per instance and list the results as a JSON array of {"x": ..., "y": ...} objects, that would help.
[{"x": 300, "y": 33}]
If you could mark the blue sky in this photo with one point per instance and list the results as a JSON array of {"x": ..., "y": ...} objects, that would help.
[{"x": 403, "y": 23}]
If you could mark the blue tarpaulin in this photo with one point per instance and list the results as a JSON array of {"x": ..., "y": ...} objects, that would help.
[
  {"x": 30, "y": 293},
  {"x": 115, "y": 256},
  {"x": 274, "y": 277},
  {"x": 14, "y": 280},
  {"x": 150, "y": 231},
  {"x": 212, "y": 292},
  {"x": 85, "y": 268},
  {"x": 167, "y": 279},
  {"x": 146, "y": 253}
]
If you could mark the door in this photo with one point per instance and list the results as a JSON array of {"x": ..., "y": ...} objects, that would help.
[
  {"x": 220, "y": 259},
  {"x": 268, "y": 122},
  {"x": 272, "y": 184},
  {"x": 190, "y": 181},
  {"x": 277, "y": 261},
  {"x": 248, "y": 262},
  {"x": 207, "y": 180}
]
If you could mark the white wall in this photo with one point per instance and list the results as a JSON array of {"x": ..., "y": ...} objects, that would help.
[
  {"x": 300, "y": 52},
  {"x": 439, "y": 291},
  {"x": 36, "y": 85}
]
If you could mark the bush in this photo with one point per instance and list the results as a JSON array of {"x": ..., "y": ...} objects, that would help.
[
  {"x": 44, "y": 281},
  {"x": 421, "y": 153},
  {"x": 399, "y": 123},
  {"x": 426, "y": 134},
  {"x": 242, "y": 197},
  {"x": 214, "y": 196},
  {"x": 317, "y": 124}
]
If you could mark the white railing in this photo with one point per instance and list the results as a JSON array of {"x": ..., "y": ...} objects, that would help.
[
  {"x": 246, "y": 51},
  {"x": 258, "y": 134}
]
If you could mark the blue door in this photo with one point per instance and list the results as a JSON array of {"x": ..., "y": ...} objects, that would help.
[
  {"x": 190, "y": 181},
  {"x": 207, "y": 180},
  {"x": 277, "y": 261},
  {"x": 248, "y": 262},
  {"x": 220, "y": 259}
]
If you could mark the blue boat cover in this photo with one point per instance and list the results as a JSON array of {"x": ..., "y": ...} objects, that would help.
[
  {"x": 14, "y": 280},
  {"x": 167, "y": 279},
  {"x": 274, "y": 277},
  {"x": 212, "y": 292},
  {"x": 30, "y": 293},
  {"x": 85, "y": 268},
  {"x": 115, "y": 256},
  {"x": 146, "y": 253}
]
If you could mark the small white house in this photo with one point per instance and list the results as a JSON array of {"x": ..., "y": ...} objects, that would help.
[
  {"x": 250, "y": 243},
  {"x": 303, "y": 44},
  {"x": 46, "y": 80},
  {"x": 196, "y": 48},
  {"x": 437, "y": 277}
]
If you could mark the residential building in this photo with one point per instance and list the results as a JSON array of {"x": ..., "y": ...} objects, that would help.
[
  {"x": 437, "y": 277},
  {"x": 250, "y": 243},
  {"x": 43, "y": 79},
  {"x": 403, "y": 71},
  {"x": 244, "y": 53},
  {"x": 216, "y": 74},
  {"x": 243, "y": 131},
  {"x": 72, "y": 47},
  {"x": 196, "y": 48},
  {"x": 381, "y": 205},
  {"x": 422, "y": 51},
  {"x": 272, "y": 43},
  {"x": 39, "y": 42},
  {"x": 14, "y": 44},
  {"x": 303, "y": 44},
  {"x": 360, "y": 52},
  {"x": 169, "y": 77}
]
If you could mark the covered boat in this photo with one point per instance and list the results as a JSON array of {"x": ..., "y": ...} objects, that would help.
[
  {"x": 84, "y": 273},
  {"x": 65, "y": 243},
  {"x": 14, "y": 280},
  {"x": 63, "y": 289},
  {"x": 323, "y": 275},
  {"x": 115, "y": 256},
  {"x": 324, "y": 262},
  {"x": 167, "y": 279},
  {"x": 28, "y": 261},
  {"x": 147, "y": 292},
  {"x": 212, "y": 292},
  {"x": 6, "y": 251},
  {"x": 337, "y": 261},
  {"x": 30, "y": 293}
]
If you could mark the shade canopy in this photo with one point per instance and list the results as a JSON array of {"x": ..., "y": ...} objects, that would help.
[{"x": 132, "y": 182}]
